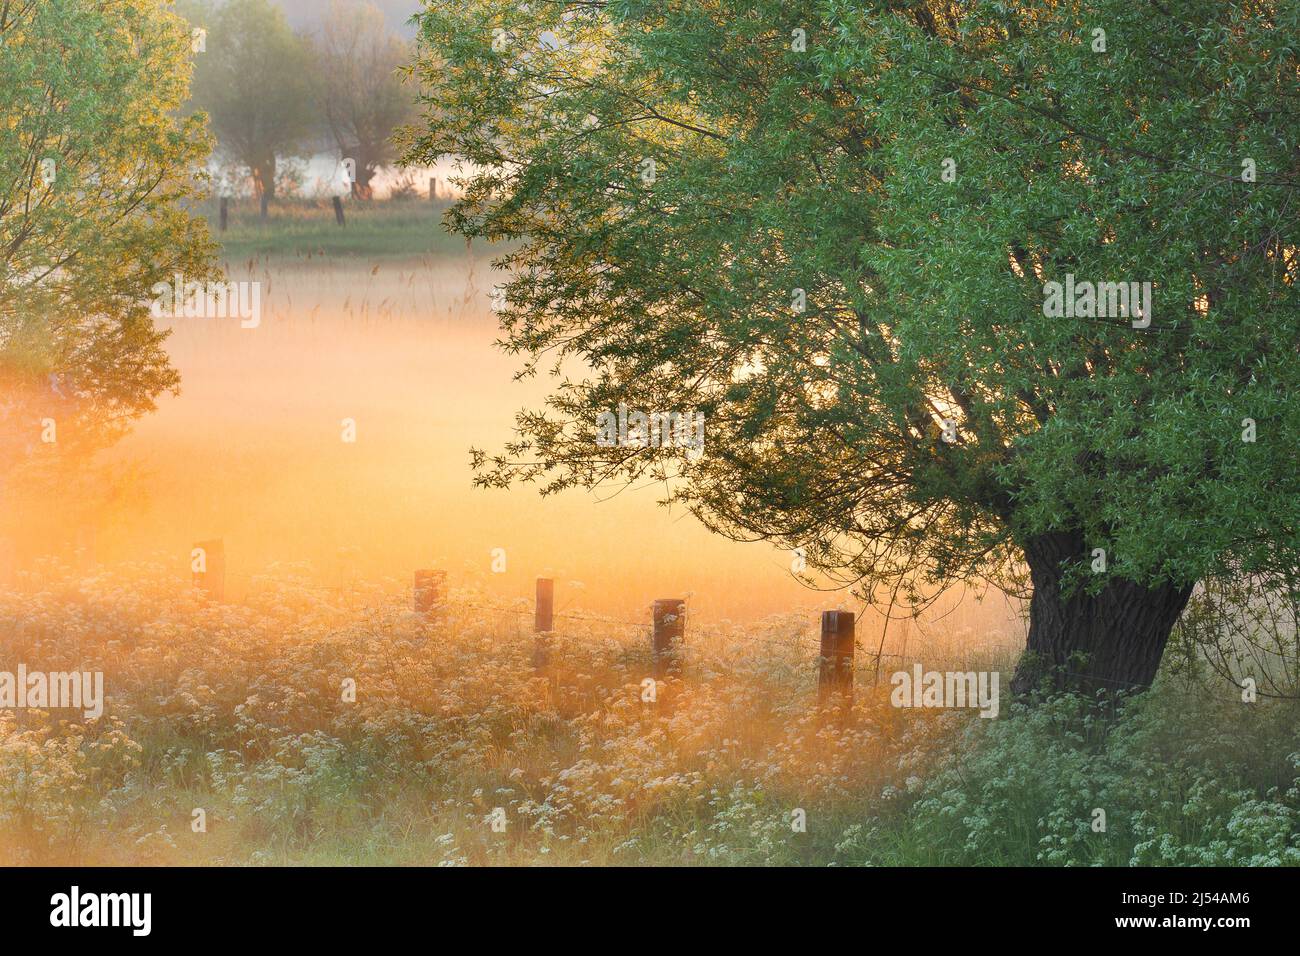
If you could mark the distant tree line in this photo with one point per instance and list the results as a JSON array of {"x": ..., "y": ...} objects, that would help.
[{"x": 270, "y": 93}]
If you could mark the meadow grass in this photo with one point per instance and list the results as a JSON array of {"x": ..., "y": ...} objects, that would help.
[
  {"x": 239, "y": 710},
  {"x": 301, "y": 228}
]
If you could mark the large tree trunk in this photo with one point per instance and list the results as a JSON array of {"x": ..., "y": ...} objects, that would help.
[
  {"x": 264, "y": 183},
  {"x": 362, "y": 188},
  {"x": 1112, "y": 640}
]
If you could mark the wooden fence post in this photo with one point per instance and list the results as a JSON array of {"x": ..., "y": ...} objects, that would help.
[
  {"x": 209, "y": 568},
  {"x": 429, "y": 590},
  {"x": 225, "y": 213},
  {"x": 338, "y": 211},
  {"x": 544, "y": 616},
  {"x": 433, "y": 189},
  {"x": 836, "y": 670},
  {"x": 669, "y": 616},
  {"x": 543, "y": 622}
]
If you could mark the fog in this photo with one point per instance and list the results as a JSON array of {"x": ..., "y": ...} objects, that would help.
[{"x": 252, "y": 451}]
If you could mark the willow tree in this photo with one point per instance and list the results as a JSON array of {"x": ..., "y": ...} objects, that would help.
[
  {"x": 357, "y": 59},
  {"x": 254, "y": 82},
  {"x": 886, "y": 249},
  {"x": 96, "y": 169}
]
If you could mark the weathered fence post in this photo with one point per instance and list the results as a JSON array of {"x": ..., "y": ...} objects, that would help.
[
  {"x": 338, "y": 211},
  {"x": 225, "y": 213},
  {"x": 544, "y": 616},
  {"x": 669, "y": 616},
  {"x": 208, "y": 566},
  {"x": 429, "y": 588},
  {"x": 543, "y": 622},
  {"x": 433, "y": 189},
  {"x": 836, "y": 671}
]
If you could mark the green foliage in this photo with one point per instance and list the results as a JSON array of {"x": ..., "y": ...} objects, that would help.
[
  {"x": 1177, "y": 786},
  {"x": 254, "y": 84},
  {"x": 777, "y": 169},
  {"x": 95, "y": 171}
]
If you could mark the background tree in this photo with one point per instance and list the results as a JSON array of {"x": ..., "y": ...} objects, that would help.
[
  {"x": 95, "y": 168},
  {"x": 829, "y": 227},
  {"x": 253, "y": 81},
  {"x": 360, "y": 88}
]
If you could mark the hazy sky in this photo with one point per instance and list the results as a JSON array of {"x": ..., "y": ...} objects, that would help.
[{"x": 308, "y": 13}]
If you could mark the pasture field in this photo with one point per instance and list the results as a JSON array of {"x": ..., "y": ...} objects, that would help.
[
  {"x": 457, "y": 749},
  {"x": 306, "y": 228}
]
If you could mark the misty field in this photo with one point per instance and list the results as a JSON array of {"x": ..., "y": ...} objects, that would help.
[{"x": 457, "y": 749}]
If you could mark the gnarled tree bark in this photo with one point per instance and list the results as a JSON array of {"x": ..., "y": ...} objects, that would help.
[{"x": 1112, "y": 640}]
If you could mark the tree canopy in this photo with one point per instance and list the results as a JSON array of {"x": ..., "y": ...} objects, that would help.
[
  {"x": 358, "y": 83},
  {"x": 254, "y": 82},
  {"x": 95, "y": 168},
  {"x": 832, "y": 228}
]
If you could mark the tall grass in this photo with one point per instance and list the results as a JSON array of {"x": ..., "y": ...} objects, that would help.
[{"x": 239, "y": 710}]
